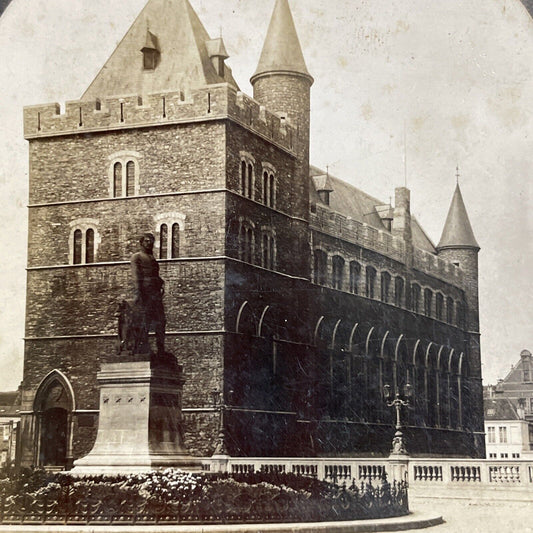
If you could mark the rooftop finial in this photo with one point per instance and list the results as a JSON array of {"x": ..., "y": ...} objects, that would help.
[{"x": 457, "y": 175}]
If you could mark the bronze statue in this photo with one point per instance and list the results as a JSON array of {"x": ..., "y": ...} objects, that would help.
[{"x": 137, "y": 318}]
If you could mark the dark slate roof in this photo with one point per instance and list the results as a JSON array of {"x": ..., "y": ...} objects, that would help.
[
  {"x": 499, "y": 409},
  {"x": 358, "y": 205},
  {"x": 282, "y": 51},
  {"x": 174, "y": 28},
  {"x": 457, "y": 231},
  {"x": 9, "y": 403}
]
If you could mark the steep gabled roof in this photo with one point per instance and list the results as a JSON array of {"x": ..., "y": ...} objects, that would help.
[
  {"x": 282, "y": 51},
  {"x": 353, "y": 202},
  {"x": 457, "y": 231},
  {"x": 528, "y": 4},
  {"x": 173, "y": 28},
  {"x": 500, "y": 409}
]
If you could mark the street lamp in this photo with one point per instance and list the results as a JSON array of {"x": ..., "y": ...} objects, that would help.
[{"x": 399, "y": 401}]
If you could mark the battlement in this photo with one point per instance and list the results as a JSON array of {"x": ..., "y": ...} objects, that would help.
[
  {"x": 207, "y": 103},
  {"x": 384, "y": 243}
]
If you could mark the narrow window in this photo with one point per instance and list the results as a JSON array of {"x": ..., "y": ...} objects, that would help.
[
  {"x": 415, "y": 297},
  {"x": 249, "y": 181},
  {"x": 428, "y": 299},
  {"x": 320, "y": 267},
  {"x": 526, "y": 371},
  {"x": 355, "y": 275},
  {"x": 248, "y": 245},
  {"x": 175, "y": 240},
  {"x": 163, "y": 242},
  {"x": 243, "y": 178},
  {"x": 271, "y": 190},
  {"x": 77, "y": 247},
  {"x": 439, "y": 305},
  {"x": 398, "y": 291},
  {"x": 449, "y": 310},
  {"x": 503, "y": 434},
  {"x": 130, "y": 178},
  {"x": 491, "y": 434},
  {"x": 117, "y": 180},
  {"x": 98, "y": 105},
  {"x": 265, "y": 188},
  {"x": 89, "y": 246},
  {"x": 370, "y": 282},
  {"x": 338, "y": 272},
  {"x": 385, "y": 286}
]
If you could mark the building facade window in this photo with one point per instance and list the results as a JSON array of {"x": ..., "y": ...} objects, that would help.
[
  {"x": 320, "y": 267},
  {"x": 439, "y": 306},
  {"x": 269, "y": 185},
  {"x": 503, "y": 434},
  {"x": 428, "y": 300},
  {"x": 526, "y": 371},
  {"x": 449, "y": 310},
  {"x": 385, "y": 287},
  {"x": 124, "y": 174},
  {"x": 491, "y": 434},
  {"x": 370, "y": 282},
  {"x": 170, "y": 229},
  {"x": 268, "y": 250},
  {"x": 398, "y": 291},
  {"x": 355, "y": 277},
  {"x": 247, "y": 181},
  {"x": 459, "y": 314},
  {"x": 415, "y": 297},
  {"x": 337, "y": 272},
  {"x": 83, "y": 241},
  {"x": 246, "y": 242}
]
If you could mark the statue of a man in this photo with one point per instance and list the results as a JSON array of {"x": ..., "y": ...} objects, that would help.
[{"x": 149, "y": 290}]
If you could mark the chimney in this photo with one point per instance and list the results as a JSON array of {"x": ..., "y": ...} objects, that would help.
[{"x": 401, "y": 223}]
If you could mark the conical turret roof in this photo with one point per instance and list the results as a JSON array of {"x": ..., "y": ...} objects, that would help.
[
  {"x": 457, "y": 231},
  {"x": 173, "y": 28},
  {"x": 282, "y": 51}
]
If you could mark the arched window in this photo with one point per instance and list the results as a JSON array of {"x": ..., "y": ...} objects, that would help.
[
  {"x": 89, "y": 246},
  {"x": 439, "y": 306},
  {"x": 124, "y": 174},
  {"x": 320, "y": 270},
  {"x": 449, "y": 310},
  {"x": 355, "y": 276},
  {"x": 266, "y": 192},
  {"x": 268, "y": 251},
  {"x": 244, "y": 182},
  {"x": 246, "y": 242},
  {"x": 83, "y": 241},
  {"x": 175, "y": 249},
  {"x": 428, "y": 300},
  {"x": 415, "y": 297},
  {"x": 385, "y": 286},
  {"x": 338, "y": 272},
  {"x": 117, "y": 180},
  {"x": 459, "y": 314},
  {"x": 370, "y": 282},
  {"x": 249, "y": 180},
  {"x": 78, "y": 238},
  {"x": 398, "y": 291},
  {"x": 163, "y": 241},
  {"x": 130, "y": 178},
  {"x": 268, "y": 187}
]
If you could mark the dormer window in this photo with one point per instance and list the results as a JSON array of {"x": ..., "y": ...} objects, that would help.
[{"x": 150, "y": 52}]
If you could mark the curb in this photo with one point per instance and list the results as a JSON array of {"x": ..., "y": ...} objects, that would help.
[{"x": 412, "y": 521}]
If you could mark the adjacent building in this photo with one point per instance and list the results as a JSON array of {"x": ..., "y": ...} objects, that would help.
[{"x": 292, "y": 297}]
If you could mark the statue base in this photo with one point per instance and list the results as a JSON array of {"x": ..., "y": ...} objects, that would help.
[{"x": 139, "y": 427}]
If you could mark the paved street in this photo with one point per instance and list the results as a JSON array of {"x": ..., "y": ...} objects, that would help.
[{"x": 484, "y": 517}]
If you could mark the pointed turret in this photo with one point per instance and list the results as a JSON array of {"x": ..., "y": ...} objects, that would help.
[
  {"x": 166, "y": 49},
  {"x": 457, "y": 231},
  {"x": 282, "y": 52},
  {"x": 282, "y": 84}
]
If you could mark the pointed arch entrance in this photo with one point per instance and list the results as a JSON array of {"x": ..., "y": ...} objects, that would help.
[{"x": 53, "y": 407}]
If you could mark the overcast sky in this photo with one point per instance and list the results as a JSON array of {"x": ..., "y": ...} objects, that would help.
[{"x": 457, "y": 73}]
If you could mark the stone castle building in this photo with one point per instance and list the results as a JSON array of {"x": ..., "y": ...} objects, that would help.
[{"x": 292, "y": 297}]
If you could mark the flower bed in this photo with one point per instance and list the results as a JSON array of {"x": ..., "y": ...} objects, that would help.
[{"x": 172, "y": 497}]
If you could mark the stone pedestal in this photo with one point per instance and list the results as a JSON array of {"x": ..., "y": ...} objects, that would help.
[{"x": 139, "y": 427}]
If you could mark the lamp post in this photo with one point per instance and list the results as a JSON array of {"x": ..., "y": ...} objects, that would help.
[{"x": 399, "y": 401}]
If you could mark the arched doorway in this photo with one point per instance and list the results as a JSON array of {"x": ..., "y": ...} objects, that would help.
[{"x": 53, "y": 406}]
